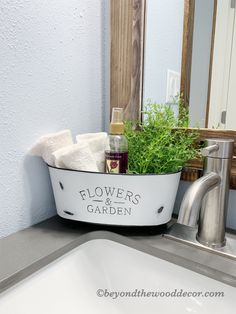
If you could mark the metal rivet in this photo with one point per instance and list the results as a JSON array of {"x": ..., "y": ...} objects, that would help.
[
  {"x": 160, "y": 209},
  {"x": 61, "y": 185}
]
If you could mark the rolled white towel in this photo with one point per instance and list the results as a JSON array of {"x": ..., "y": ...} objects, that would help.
[
  {"x": 76, "y": 157},
  {"x": 97, "y": 143},
  {"x": 100, "y": 160},
  {"x": 58, "y": 156},
  {"x": 48, "y": 144}
]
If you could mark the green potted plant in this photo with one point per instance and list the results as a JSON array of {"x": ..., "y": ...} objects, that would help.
[
  {"x": 158, "y": 149},
  {"x": 162, "y": 143}
]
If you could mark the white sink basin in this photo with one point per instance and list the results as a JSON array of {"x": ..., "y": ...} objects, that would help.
[{"x": 70, "y": 285}]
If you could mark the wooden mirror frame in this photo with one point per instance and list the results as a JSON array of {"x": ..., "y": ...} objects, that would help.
[{"x": 127, "y": 33}]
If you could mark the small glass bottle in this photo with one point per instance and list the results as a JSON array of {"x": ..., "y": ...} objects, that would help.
[{"x": 116, "y": 151}]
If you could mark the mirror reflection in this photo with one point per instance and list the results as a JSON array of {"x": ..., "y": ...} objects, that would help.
[{"x": 206, "y": 71}]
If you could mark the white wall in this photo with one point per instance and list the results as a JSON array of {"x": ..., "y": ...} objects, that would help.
[
  {"x": 163, "y": 45},
  {"x": 52, "y": 76}
]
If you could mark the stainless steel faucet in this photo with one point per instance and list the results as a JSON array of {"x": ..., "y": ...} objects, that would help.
[{"x": 207, "y": 198}]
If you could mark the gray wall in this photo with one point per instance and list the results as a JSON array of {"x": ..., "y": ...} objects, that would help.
[{"x": 53, "y": 66}]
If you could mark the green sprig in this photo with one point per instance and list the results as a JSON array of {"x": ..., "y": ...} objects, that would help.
[{"x": 161, "y": 143}]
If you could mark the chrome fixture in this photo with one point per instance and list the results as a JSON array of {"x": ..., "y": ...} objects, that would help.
[
  {"x": 206, "y": 200},
  {"x": 208, "y": 196}
]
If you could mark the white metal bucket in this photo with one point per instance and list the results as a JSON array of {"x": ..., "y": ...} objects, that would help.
[{"x": 114, "y": 199}]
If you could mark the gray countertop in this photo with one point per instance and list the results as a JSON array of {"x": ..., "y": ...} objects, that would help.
[{"x": 26, "y": 251}]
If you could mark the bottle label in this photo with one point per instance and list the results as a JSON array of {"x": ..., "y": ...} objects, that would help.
[
  {"x": 116, "y": 162},
  {"x": 112, "y": 166}
]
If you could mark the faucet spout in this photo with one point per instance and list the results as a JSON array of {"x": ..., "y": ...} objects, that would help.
[
  {"x": 191, "y": 204},
  {"x": 207, "y": 197}
]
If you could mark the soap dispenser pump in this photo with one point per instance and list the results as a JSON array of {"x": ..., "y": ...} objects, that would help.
[{"x": 116, "y": 151}]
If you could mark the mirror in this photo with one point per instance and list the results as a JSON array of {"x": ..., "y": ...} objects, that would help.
[
  {"x": 205, "y": 74},
  {"x": 190, "y": 48}
]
